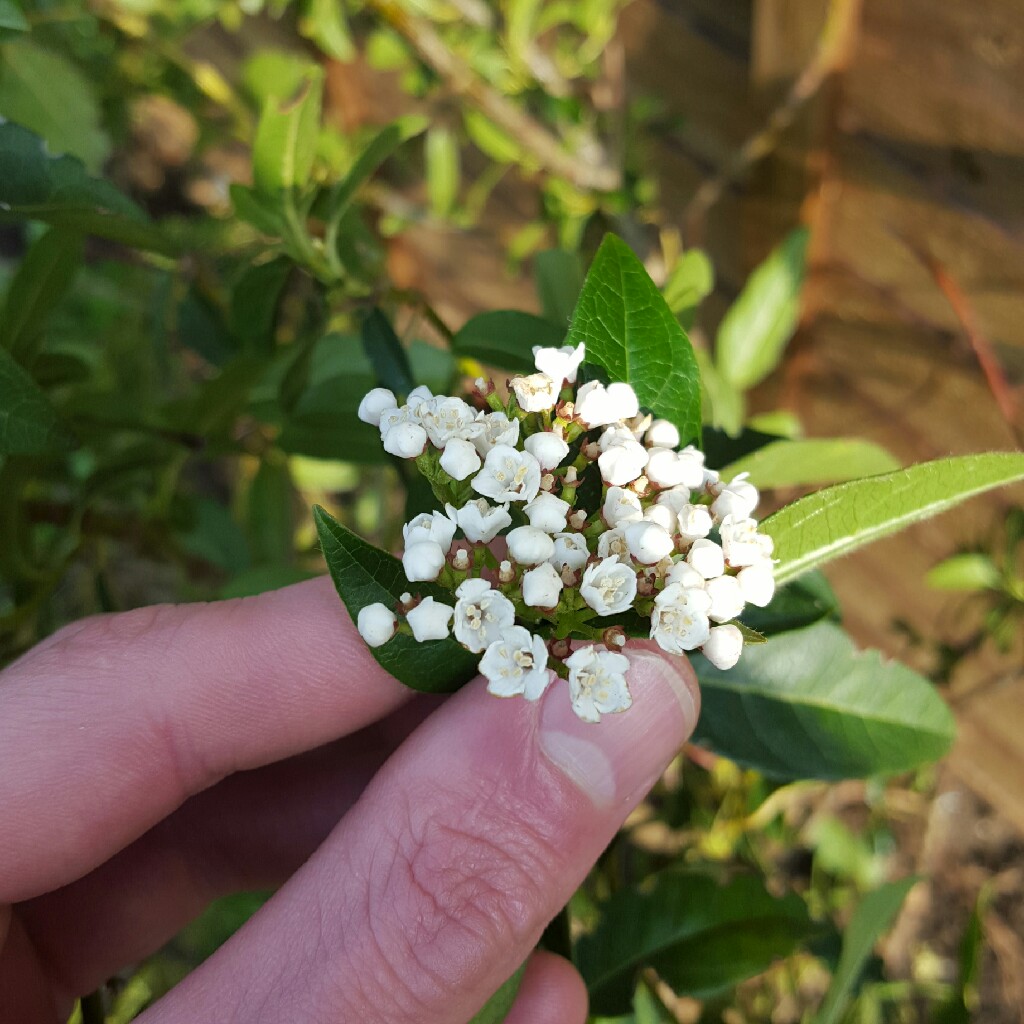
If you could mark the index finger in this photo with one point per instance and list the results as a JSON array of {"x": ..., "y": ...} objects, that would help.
[{"x": 114, "y": 721}]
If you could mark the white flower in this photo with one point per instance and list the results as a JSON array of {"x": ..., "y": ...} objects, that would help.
[
  {"x": 742, "y": 544},
  {"x": 662, "y": 434},
  {"x": 559, "y": 363},
  {"x": 757, "y": 582},
  {"x": 418, "y": 396},
  {"x": 597, "y": 683},
  {"x": 710, "y": 483},
  {"x": 723, "y": 646},
  {"x": 613, "y": 542},
  {"x": 615, "y": 435},
  {"x": 460, "y": 458},
  {"x": 536, "y": 393},
  {"x": 684, "y": 574},
  {"x": 593, "y": 406},
  {"x": 542, "y": 586},
  {"x": 679, "y": 622},
  {"x": 508, "y": 475},
  {"x": 423, "y": 560},
  {"x": 516, "y": 663},
  {"x": 623, "y": 400},
  {"x": 694, "y": 522},
  {"x": 444, "y": 418},
  {"x": 676, "y": 499},
  {"x": 404, "y": 439},
  {"x": 497, "y": 429},
  {"x": 482, "y": 615},
  {"x": 726, "y": 598},
  {"x": 737, "y": 499},
  {"x": 668, "y": 468},
  {"x": 609, "y": 586},
  {"x": 638, "y": 425},
  {"x": 707, "y": 558},
  {"x": 690, "y": 462},
  {"x": 530, "y": 546},
  {"x": 662, "y": 515},
  {"x": 480, "y": 521},
  {"x": 621, "y": 506},
  {"x": 429, "y": 526},
  {"x": 570, "y": 550},
  {"x": 547, "y": 512},
  {"x": 622, "y": 463},
  {"x": 649, "y": 542},
  {"x": 430, "y": 619},
  {"x": 376, "y": 624},
  {"x": 374, "y": 403},
  {"x": 547, "y": 448}
]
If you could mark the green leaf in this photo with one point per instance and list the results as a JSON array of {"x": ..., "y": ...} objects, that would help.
[
  {"x": 261, "y": 579},
  {"x": 818, "y": 460},
  {"x": 324, "y": 22},
  {"x": 559, "y": 278},
  {"x": 873, "y": 916},
  {"x": 759, "y": 324},
  {"x": 630, "y": 331},
  {"x": 386, "y": 355},
  {"x": 831, "y": 523},
  {"x": 501, "y": 1002},
  {"x": 699, "y": 936},
  {"x": 807, "y": 704},
  {"x": 269, "y": 511},
  {"x": 968, "y": 572},
  {"x": 286, "y": 137},
  {"x": 504, "y": 338},
  {"x": 42, "y": 279},
  {"x": 257, "y": 210},
  {"x": 11, "y": 18},
  {"x": 794, "y": 606},
  {"x": 689, "y": 282},
  {"x": 443, "y": 170},
  {"x": 254, "y": 303},
  {"x": 37, "y": 186},
  {"x": 363, "y": 575},
  {"x": 29, "y": 425}
]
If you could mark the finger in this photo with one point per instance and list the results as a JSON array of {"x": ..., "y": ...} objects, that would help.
[
  {"x": 111, "y": 723},
  {"x": 439, "y": 882},
  {"x": 552, "y": 992}
]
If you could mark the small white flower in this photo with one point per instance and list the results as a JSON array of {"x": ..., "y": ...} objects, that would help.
[
  {"x": 662, "y": 434},
  {"x": 405, "y": 440},
  {"x": 679, "y": 622},
  {"x": 614, "y": 436},
  {"x": 676, "y": 499},
  {"x": 535, "y": 393},
  {"x": 742, "y": 544},
  {"x": 684, "y": 574},
  {"x": 593, "y": 406},
  {"x": 737, "y": 499},
  {"x": 559, "y": 363},
  {"x": 530, "y": 546},
  {"x": 508, "y": 475},
  {"x": 497, "y": 429},
  {"x": 548, "y": 513},
  {"x": 723, "y": 647},
  {"x": 609, "y": 586},
  {"x": 597, "y": 683},
  {"x": 482, "y": 615},
  {"x": 547, "y": 448},
  {"x": 429, "y": 526},
  {"x": 460, "y": 458},
  {"x": 516, "y": 664},
  {"x": 376, "y": 624},
  {"x": 690, "y": 465},
  {"x": 648, "y": 542},
  {"x": 542, "y": 586},
  {"x": 694, "y": 522},
  {"x": 374, "y": 403},
  {"x": 662, "y": 515},
  {"x": 622, "y": 463},
  {"x": 430, "y": 619},
  {"x": 621, "y": 506},
  {"x": 613, "y": 542},
  {"x": 480, "y": 521},
  {"x": 668, "y": 468},
  {"x": 418, "y": 396},
  {"x": 726, "y": 598},
  {"x": 707, "y": 558},
  {"x": 570, "y": 551},
  {"x": 757, "y": 582},
  {"x": 423, "y": 560},
  {"x": 444, "y": 418},
  {"x": 623, "y": 400},
  {"x": 711, "y": 481}
]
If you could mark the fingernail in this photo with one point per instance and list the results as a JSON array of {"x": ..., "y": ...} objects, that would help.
[{"x": 616, "y": 760}]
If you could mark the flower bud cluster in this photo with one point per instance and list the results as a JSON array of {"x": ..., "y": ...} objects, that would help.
[{"x": 662, "y": 544}]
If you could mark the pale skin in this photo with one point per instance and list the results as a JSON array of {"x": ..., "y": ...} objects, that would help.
[{"x": 154, "y": 760}]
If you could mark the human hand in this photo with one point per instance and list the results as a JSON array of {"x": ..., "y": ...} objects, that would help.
[{"x": 155, "y": 760}]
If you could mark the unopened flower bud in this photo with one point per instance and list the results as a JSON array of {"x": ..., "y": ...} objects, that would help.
[
  {"x": 726, "y": 598},
  {"x": 405, "y": 440},
  {"x": 737, "y": 499},
  {"x": 547, "y": 513},
  {"x": 460, "y": 458},
  {"x": 376, "y": 624},
  {"x": 622, "y": 463},
  {"x": 530, "y": 546},
  {"x": 723, "y": 646},
  {"x": 547, "y": 448},
  {"x": 430, "y": 620},
  {"x": 542, "y": 586},
  {"x": 662, "y": 434},
  {"x": 374, "y": 403},
  {"x": 423, "y": 560},
  {"x": 707, "y": 558},
  {"x": 648, "y": 542},
  {"x": 662, "y": 515}
]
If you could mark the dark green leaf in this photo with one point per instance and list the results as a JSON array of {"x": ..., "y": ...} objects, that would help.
[
  {"x": 699, "y": 936},
  {"x": 262, "y": 213},
  {"x": 817, "y": 460},
  {"x": 807, "y": 704},
  {"x": 559, "y": 278},
  {"x": 831, "y": 523},
  {"x": 202, "y": 327},
  {"x": 794, "y": 606},
  {"x": 501, "y": 1002},
  {"x": 254, "y": 303},
  {"x": 971, "y": 571},
  {"x": 286, "y": 137},
  {"x": 29, "y": 425},
  {"x": 630, "y": 331},
  {"x": 385, "y": 352},
  {"x": 270, "y": 520},
  {"x": 873, "y": 916},
  {"x": 11, "y": 17},
  {"x": 363, "y": 575},
  {"x": 214, "y": 536},
  {"x": 504, "y": 338},
  {"x": 720, "y": 448}
]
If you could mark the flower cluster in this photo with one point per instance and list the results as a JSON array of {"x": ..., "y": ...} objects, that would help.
[{"x": 569, "y": 516}]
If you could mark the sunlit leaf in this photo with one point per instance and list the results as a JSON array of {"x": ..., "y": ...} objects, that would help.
[
  {"x": 970, "y": 571},
  {"x": 286, "y": 137},
  {"x": 812, "y": 461}
]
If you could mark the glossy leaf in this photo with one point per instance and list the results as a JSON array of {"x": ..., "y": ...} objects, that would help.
[
  {"x": 701, "y": 937},
  {"x": 384, "y": 350},
  {"x": 501, "y": 1002},
  {"x": 759, "y": 324},
  {"x": 29, "y": 424},
  {"x": 812, "y": 461},
  {"x": 971, "y": 571},
  {"x": 286, "y": 137},
  {"x": 807, "y": 704},
  {"x": 874, "y": 915},
  {"x": 559, "y": 278},
  {"x": 363, "y": 575},
  {"x": 630, "y": 332},
  {"x": 504, "y": 338},
  {"x": 831, "y": 523}
]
